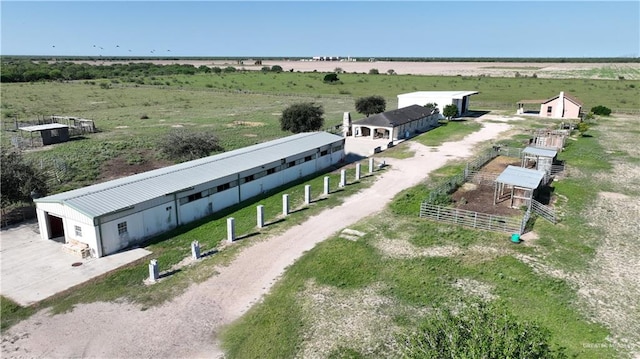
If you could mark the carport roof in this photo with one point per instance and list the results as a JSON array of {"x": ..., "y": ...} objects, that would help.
[
  {"x": 397, "y": 117},
  {"x": 49, "y": 126},
  {"x": 112, "y": 196},
  {"x": 540, "y": 152},
  {"x": 521, "y": 177}
]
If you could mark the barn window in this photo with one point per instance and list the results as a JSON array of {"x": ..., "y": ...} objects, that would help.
[
  {"x": 308, "y": 158},
  {"x": 122, "y": 228},
  {"x": 271, "y": 171},
  {"x": 336, "y": 148},
  {"x": 249, "y": 178},
  {"x": 190, "y": 198},
  {"x": 549, "y": 109},
  {"x": 78, "y": 230},
  {"x": 324, "y": 153},
  {"x": 291, "y": 164},
  {"x": 223, "y": 187}
]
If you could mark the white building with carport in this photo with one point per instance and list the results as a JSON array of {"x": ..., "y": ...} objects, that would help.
[
  {"x": 111, "y": 216},
  {"x": 440, "y": 98}
]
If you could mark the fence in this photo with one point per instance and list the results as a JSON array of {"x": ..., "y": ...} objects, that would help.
[
  {"x": 473, "y": 219},
  {"x": 543, "y": 211}
]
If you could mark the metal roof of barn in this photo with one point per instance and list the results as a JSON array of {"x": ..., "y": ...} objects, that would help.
[
  {"x": 49, "y": 126},
  {"x": 112, "y": 196},
  {"x": 397, "y": 117},
  {"x": 453, "y": 94},
  {"x": 540, "y": 152},
  {"x": 521, "y": 177}
]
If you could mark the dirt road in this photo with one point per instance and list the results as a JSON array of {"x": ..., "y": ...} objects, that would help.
[{"x": 186, "y": 327}]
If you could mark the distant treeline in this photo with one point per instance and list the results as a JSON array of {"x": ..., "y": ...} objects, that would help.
[
  {"x": 29, "y": 68},
  {"x": 256, "y": 58},
  {"x": 29, "y": 71}
]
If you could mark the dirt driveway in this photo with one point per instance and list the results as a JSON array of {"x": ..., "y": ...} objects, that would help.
[{"x": 186, "y": 327}]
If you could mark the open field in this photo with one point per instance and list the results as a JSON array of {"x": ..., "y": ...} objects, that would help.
[
  {"x": 597, "y": 70},
  {"x": 579, "y": 278}
]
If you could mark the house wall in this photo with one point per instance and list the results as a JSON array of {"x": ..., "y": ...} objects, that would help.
[{"x": 571, "y": 110}]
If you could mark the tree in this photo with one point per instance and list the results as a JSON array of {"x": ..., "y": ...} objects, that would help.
[
  {"x": 330, "y": 78},
  {"x": 370, "y": 105},
  {"x": 582, "y": 128},
  {"x": 479, "y": 330},
  {"x": 374, "y": 72},
  {"x": 276, "y": 68},
  {"x": 433, "y": 107},
  {"x": 19, "y": 179},
  {"x": 302, "y": 117},
  {"x": 185, "y": 145},
  {"x": 450, "y": 111},
  {"x": 601, "y": 110}
]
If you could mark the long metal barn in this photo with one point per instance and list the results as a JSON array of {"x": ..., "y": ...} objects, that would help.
[{"x": 107, "y": 217}]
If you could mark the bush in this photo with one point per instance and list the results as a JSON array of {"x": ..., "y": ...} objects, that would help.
[
  {"x": 601, "y": 110},
  {"x": 302, "y": 117},
  {"x": 374, "y": 72},
  {"x": 276, "y": 68},
  {"x": 185, "y": 145},
  {"x": 479, "y": 330},
  {"x": 331, "y": 78}
]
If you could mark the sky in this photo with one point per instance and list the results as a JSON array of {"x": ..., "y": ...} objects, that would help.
[{"x": 321, "y": 28}]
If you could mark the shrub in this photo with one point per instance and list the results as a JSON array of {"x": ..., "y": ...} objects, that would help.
[
  {"x": 185, "y": 145},
  {"x": 479, "y": 330},
  {"x": 276, "y": 68},
  {"x": 330, "y": 78},
  {"x": 601, "y": 110},
  {"x": 302, "y": 117},
  {"x": 374, "y": 72}
]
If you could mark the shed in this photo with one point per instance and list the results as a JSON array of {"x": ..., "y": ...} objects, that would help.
[
  {"x": 49, "y": 134},
  {"x": 111, "y": 216},
  {"x": 539, "y": 158},
  {"x": 396, "y": 124},
  {"x": 518, "y": 185},
  {"x": 440, "y": 98}
]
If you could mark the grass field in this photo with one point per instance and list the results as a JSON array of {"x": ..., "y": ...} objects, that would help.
[
  {"x": 392, "y": 276},
  {"x": 243, "y": 108},
  {"x": 335, "y": 304}
]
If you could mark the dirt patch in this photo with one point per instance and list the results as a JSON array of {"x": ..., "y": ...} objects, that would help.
[
  {"x": 479, "y": 196},
  {"x": 360, "y": 319},
  {"x": 124, "y": 166},
  {"x": 245, "y": 124},
  {"x": 475, "y": 288}
]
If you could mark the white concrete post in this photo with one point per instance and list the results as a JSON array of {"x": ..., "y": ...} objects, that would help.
[
  {"x": 153, "y": 270},
  {"x": 371, "y": 165},
  {"x": 231, "y": 229},
  {"x": 260, "y": 216},
  {"x": 285, "y": 204},
  {"x": 307, "y": 194},
  {"x": 357, "y": 171},
  {"x": 195, "y": 250},
  {"x": 326, "y": 185},
  {"x": 343, "y": 178}
]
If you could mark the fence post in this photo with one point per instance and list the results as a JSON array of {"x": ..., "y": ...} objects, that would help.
[{"x": 475, "y": 219}]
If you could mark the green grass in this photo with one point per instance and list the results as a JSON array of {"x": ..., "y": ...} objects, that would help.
[
  {"x": 427, "y": 282},
  {"x": 448, "y": 131},
  {"x": 12, "y": 313}
]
